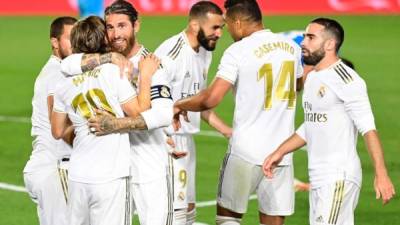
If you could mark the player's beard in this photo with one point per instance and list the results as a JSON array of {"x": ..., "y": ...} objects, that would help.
[
  {"x": 124, "y": 49},
  {"x": 64, "y": 52},
  {"x": 313, "y": 58},
  {"x": 209, "y": 43}
]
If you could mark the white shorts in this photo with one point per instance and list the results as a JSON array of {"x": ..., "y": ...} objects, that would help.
[
  {"x": 100, "y": 204},
  {"x": 184, "y": 171},
  {"x": 334, "y": 203},
  {"x": 239, "y": 179},
  {"x": 49, "y": 190},
  {"x": 153, "y": 201}
]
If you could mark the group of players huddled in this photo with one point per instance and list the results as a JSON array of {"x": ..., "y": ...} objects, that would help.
[{"x": 113, "y": 123}]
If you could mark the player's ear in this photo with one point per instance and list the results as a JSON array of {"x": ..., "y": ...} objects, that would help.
[
  {"x": 136, "y": 27},
  {"x": 330, "y": 44},
  {"x": 194, "y": 25},
  {"x": 54, "y": 43}
]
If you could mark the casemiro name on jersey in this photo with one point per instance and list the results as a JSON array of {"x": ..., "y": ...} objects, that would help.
[{"x": 269, "y": 47}]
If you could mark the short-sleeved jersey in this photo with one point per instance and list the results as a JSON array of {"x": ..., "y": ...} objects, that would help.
[
  {"x": 190, "y": 76},
  {"x": 95, "y": 159},
  {"x": 262, "y": 68},
  {"x": 336, "y": 105},
  {"x": 46, "y": 150},
  {"x": 149, "y": 151}
]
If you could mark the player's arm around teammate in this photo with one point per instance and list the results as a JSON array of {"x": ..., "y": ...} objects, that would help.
[{"x": 132, "y": 108}]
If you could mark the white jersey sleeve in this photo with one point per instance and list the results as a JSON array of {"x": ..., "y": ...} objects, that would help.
[
  {"x": 52, "y": 84},
  {"x": 163, "y": 49},
  {"x": 71, "y": 65},
  {"x": 125, "y": 90},
  {"x": 59, "y": 104},
  {"x": 357, "y": 104},
  {"x": 160, "y": 113},
  {"x": 302, "y": 132},
  {"x": 352, "y": 90},
  {"x": 228, "y": 68}
]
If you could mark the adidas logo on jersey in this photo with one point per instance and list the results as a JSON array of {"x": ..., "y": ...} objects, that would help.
[
  {"x": 187, "y": 75},
  {"x": 319, "y": 219}
]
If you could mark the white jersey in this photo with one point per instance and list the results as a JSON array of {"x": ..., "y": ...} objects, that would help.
[
  {"x": 190, "y": 76},
  {"x": 96, "y": 159},
  {"x": 336, "y": 105},
  {"x": 262, "y": 68},
  {"x": 46, "y": 149},
  {"x": 149, "y": 150}
]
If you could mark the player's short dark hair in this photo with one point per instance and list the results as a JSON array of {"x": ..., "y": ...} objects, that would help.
[
  {"x": 332, "y": 27},
  {"x": 57, "y": 26},
  {"x": 89, "y": 36},
  {"x": 201, "y": 8},
  {"x": 247, "y": 10},
  {"x": 122, "y": 7}
]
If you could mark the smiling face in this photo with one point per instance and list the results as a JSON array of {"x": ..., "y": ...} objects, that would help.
[
  {"x": 210, "y": 31},
  {"x": 313, "y": 44},
  {"x": 121, "y": 33}
]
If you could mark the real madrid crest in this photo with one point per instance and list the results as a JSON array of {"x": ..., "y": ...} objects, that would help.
[
  {"x": 164, "y": 92},
  {"x": 205, "y": 74},
  {"x": 321, "y": 92},
  {"x": 181, "y": 196}
]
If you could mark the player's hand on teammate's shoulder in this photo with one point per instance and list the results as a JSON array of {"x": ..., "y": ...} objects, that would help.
[
  {"x": 124, "y": 64},
  {"x": 384, "y": 188},
  {"x": 148, "y": 65},
  {"x": 102, "y": 123}
]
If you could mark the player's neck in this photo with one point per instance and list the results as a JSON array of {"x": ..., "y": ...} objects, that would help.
[
  {"x": 56, "y": 53},
  {"x": 134, "y": 50},
  {"x": 251, "y": 28},
  {"x": 326, "y": 62},
  {"x": 192, "y": 38}
]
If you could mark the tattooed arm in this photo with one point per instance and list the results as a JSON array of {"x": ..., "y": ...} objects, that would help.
[
  {"x": 91, "y": 61},
  {"x": 104, "y": 123}
]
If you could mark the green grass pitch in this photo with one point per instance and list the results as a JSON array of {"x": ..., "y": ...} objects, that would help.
[{"x": 372, "y": 43}]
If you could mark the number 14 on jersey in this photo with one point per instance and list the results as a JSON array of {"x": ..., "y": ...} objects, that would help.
[{"x": 285, "y": 90}]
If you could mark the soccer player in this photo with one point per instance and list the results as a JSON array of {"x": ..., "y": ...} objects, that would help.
[
  {"x": 261, "y": 67},
  {"x": 44, "y": 179},
  {"x": 336, "y": 106},
  {"x": 99, "y": 187},
  {"x": 149, "y": 151},
  {"x": 190, "y": 51}
]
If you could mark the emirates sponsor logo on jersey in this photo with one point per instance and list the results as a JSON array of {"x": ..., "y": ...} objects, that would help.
[
  {"x": 310, "y": 116},
  {"x": 192, "y": 90}
]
